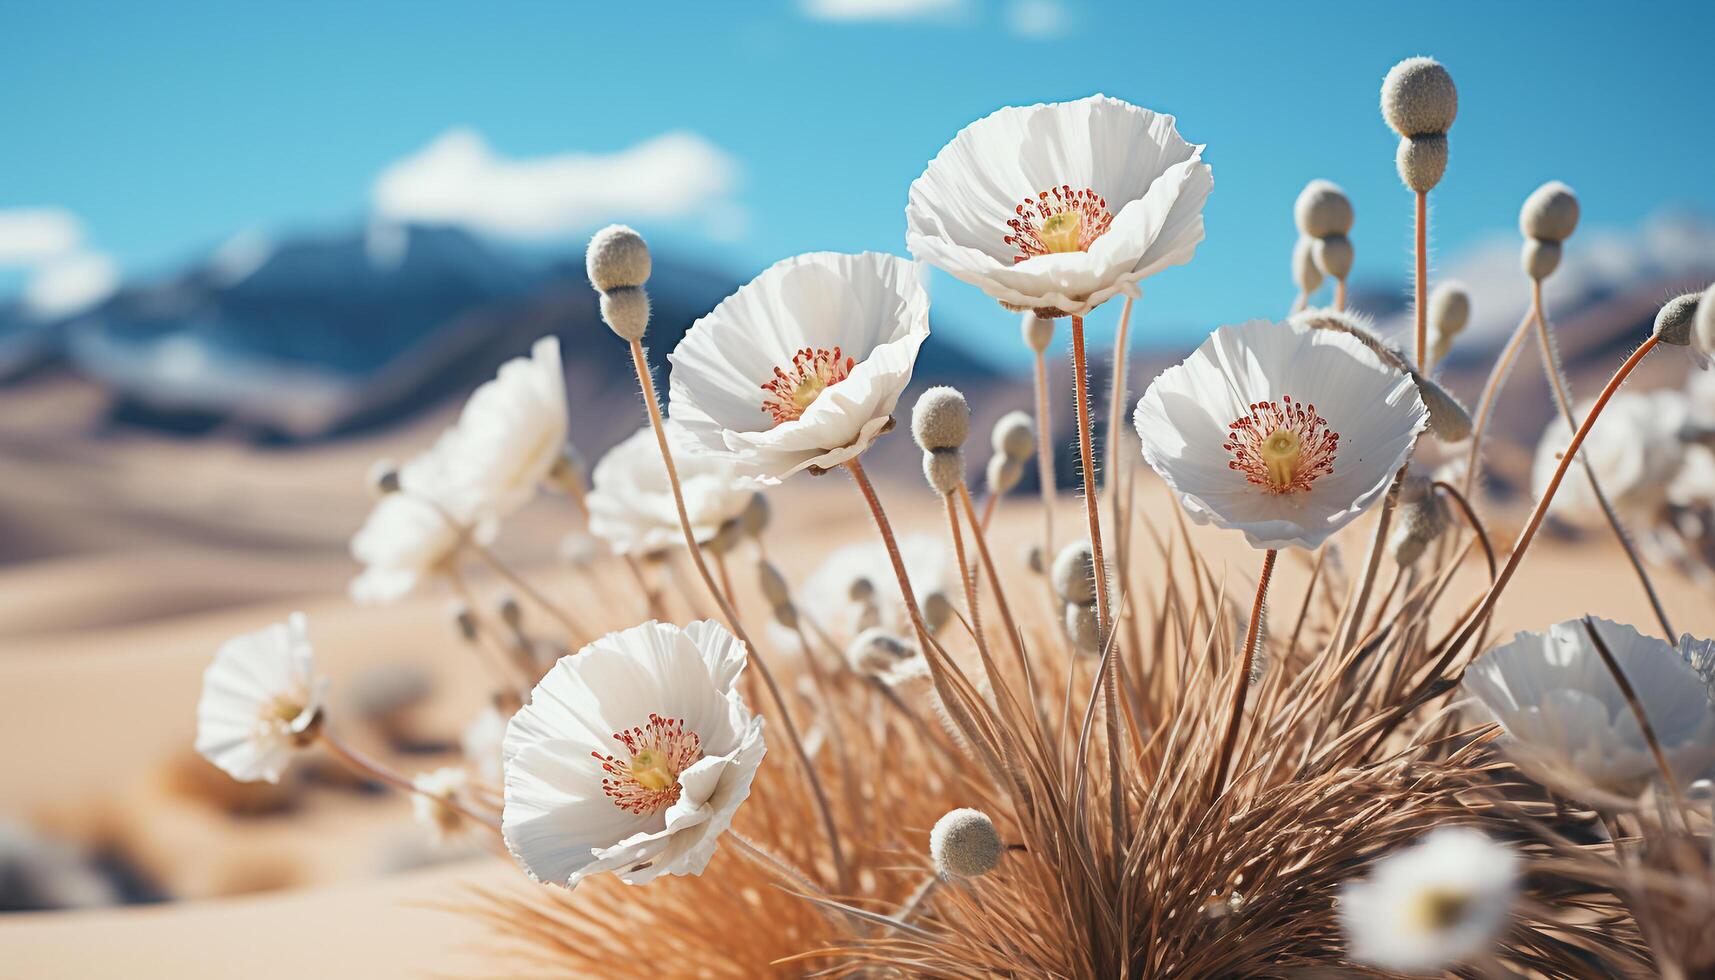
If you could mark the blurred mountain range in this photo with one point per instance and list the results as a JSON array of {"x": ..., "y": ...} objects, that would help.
[{"x": 307, "y": 338}]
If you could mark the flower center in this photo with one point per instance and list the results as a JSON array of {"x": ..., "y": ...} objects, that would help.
[
  {"x": 1281, "y": 446},
  {"x": 813, "y": 371},
  {"x": 1058, "y": 220},
  {"x": 645, "y": 778},
  {"x": 1438, "y": 909}
]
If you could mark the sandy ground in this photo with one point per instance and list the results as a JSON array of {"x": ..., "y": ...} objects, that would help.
[{"x": 128, "y": 561}]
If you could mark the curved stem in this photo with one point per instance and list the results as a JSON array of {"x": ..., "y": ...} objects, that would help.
[
  {"x": 1373, "y": 565},
  {"x": 365, "y": 766},
  {"x": 1563, "y": 398},
  {"x": 820, "y": 795},
  {"x": 1104, "y": 618},
  {"x": 966, "y": 579},
  {"x": 1242, "y": 684},
  {"x": 1421, "y": 280},
  {"x": 1045, "y": 458},
  {"x": 1002, "y": 606},
  {"x": 1486, "y": 402},
  {"x": 1471, "y": 519},
  {"x": 1493, "y": 596},
  {"x": 988, "y": 510}
]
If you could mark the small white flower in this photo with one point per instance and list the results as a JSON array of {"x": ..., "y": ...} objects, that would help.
[
  {"x": 855, "y": 588},
  {"x": 508, "y": 437},
  {"x": 1282, "y": 431},
  {"x": 1566, "y": 720},
  {"x": 631, "y": 502},
  {"x": 1441, "y": 901},
  {"x": 1058, "y": 207},
  {"x": 1634, "y": 447},
  {"x": 803, "y": 366},
  {"x": 632, "y": 756},
  {"x": 410, "y": 535},
  {"x": 260, "y": 702},
  {"x": 445, "y": 783}
]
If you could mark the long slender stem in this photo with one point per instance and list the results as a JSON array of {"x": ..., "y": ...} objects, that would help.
[
  {"x": 820, "y": 795},
  {"x": 1372, "y": 565},
  {"x": 364, "y": 765},
  {"x": 1104, "y": 618},
  {"x": 980, "y": 536},
  {"x": 966, "y": 579},
  {"x": 1340, "y": 294},
  {"x": 1486, "y": 402},
  {"x": 1242, "y": 683},
  {"x": 1421, "y": 281},
  {"x": 1563, "y": 398},
  {"x": 1116, "y": 431}
]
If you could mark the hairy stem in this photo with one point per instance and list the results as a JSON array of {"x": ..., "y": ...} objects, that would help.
[{"x": 1242, "y": 683}]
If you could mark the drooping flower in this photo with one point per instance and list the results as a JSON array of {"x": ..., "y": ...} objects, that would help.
[
  {"x": 412, "y": 534},
  {"x": 1058, "y": 207},
  {"x": 1436, "y": 903},
  {"x": 261, "y": 701},
  {"x": 631, "y": 502},
  {"x": 1566, "y": 721},
  {"x": 1284, "y": 432},
  {"x": 508, "y": 437},
  {"x": 803, "y": 366},
  {"x": 1634, "y": 447},
  {"x": 632, "y": 756}
]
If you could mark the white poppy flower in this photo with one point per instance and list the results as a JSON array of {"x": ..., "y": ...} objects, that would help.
[
  {"x": 855, "y": 589},
  {"x": 1566, "y": 720},
  {"x": 1058, "y": 207},
  {"x": 414, "y": 533},
  {"x": 803, "y": 366},
  {"x": 1282, "y": 431},
  {"x": 507, "y": 439},
  {"x": 631, "y": 502},
  {"x": 1425, "y": 908},
  {"x": 1634, "y": 447},
  {"x": 632, "y": 756},
  {"x": 260, "y": 702}
]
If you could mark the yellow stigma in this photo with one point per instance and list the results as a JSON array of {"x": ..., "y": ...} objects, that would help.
[
  {"x": 649, "y": 768},
  {"x": 1062, "y": 232},
  {"x": 1437, "y": 909},
  {"x": 1280, "y": 453},
  {"x": 807, "y": 391}
]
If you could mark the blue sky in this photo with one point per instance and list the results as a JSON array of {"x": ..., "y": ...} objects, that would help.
[{"x": 799, "y": 124}]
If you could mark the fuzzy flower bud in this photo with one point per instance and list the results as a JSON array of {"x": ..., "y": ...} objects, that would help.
[
  {"x": 945, "y": 470},
  {"x": 464, "y": 621},
  {"x": 1421, "y": 522},
  {"x": 1305, "y": 273},
  {"x": 937, "y": 611},
  {"x": 1014, "y": 436},
  {"x": 1448, "y": 419},
  {"x": 753, "y": 520},
  {"x": 1703, "y": 325},
  {"x": 1004, "y": 472},
  {"x": 726, "y": 538},
  {"x": 1323, "y": 209},
  {"x": 617, "y": 258},
  {"x": 1674, "y": 321},
  {"x": 511, "y": 613},
  {"x": 1334, "y": 255},
  {"x": 1081, "y": 628},
  {"x": 964, "y": 844},
  {"x": 1539, "y": 258},
  {"x": 1419, "y": 98},
  {"x": 626, "y": 312},
  {"x": 1421, "y": 160},
  {"x": 941, "y": 419},
  {"x": 773, "y": 584},
  {"x": 875, "y": 651},
  {"x": 1033, "y": 558},
  {"x": 1449, "y": 312},
  {"x": 383, "y": 477},
  {"x": 1074, "y": 574},
  {"x": 1550, "y": 213},
  {"x": 1038, "y": 332}
]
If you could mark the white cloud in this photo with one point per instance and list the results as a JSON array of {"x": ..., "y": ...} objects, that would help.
[
  {"x": 458, "y": 179},
  {"x": 70, "y": 284},
  {"x": 32, "y": 235},
  {"x": 1038, "y": 20},
  {"x": 881, "y": 9}
]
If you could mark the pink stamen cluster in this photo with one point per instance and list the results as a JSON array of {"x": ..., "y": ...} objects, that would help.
[
  {"x": 665, "y": 747},
  {"x": 1027, "y": 225},
  {"x": 1247, "y": 435},
  {"x": 812, "y": 371}
]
